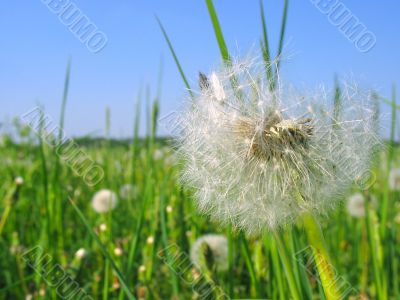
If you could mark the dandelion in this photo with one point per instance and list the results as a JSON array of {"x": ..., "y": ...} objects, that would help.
[
  {"x": 128, "y": 191},
  {"x": 80, "y": 253},
  {"x": 103, "y": 227},
  {"x": 260, "y": 159},
  {"x": 217, "y": 244},
  {"x": 394, "y": 180},
  {"x": 169, "y": 209},
  {"x": 356, "y": 205},
  {"x": 150, "y": 240},
  {"x": 19, "y": 180},
  {"x": 158, "y": 154},
  {"x": 118, "y": 251},
  {"x": 142, "y": 269},
  {"x": 104, "y": 201}
]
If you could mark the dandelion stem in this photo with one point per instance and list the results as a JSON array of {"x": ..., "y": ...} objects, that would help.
[{"x": 321, "y": 257}]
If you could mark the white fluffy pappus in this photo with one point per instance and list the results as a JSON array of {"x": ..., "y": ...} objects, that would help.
[
  {"x": 258, "y": 159},
  {"x": 218, "y": 244},
  {"x": 128, "y": 191},
  {"x": 356, "y": 205},
  {"x": 104, "y": 201},
  {"x": 394, "y": 179}
]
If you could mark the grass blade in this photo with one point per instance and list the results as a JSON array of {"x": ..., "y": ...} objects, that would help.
[
  {"x": 282, "y": 35},
  {"x": 175, "y": 57},
  {"x": 265, "y": 49},
  {"x": 218, "y": 32}
]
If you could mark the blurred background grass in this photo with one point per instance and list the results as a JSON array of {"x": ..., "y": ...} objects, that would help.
[{"x": 120, "y": 259}]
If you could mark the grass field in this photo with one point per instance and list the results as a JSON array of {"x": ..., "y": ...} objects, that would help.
[{"x": 54, "y": 243}]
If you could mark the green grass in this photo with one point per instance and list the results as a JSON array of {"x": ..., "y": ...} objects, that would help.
[
  {"x": 52, "y": 209},
  {"x": 368, "y": 262}
]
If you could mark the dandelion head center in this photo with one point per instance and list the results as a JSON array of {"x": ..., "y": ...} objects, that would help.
[{"x": 275, "y": 137}]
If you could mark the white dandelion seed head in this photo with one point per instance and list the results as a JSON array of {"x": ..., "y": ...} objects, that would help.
[
  {"x": 128, "y": 191},
  {"x": 218, "y": 244},
  {"x": 150, "y": 240},
  {"x": 118, "y": 251},
  {"x": 259, "y": 159},
  {"x": 158, "y": 154},
  {"x": 80, "y": 253},
  {"x": 104, "y": 201},
  {"x": 142, "y": 269},
  {"x": 19, "y": 180},
  {"x": 169, "y": 209},
  {"x": 103, "y": 227},
  {"x": 394, "y": 179},
  {"x": 356, "y": 205}
]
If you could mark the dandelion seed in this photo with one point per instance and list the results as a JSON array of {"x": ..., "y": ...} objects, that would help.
[
  {"x": 218, "y": 245},
  {"x": 80, "y": 253},
  {"x": 104, "y": 201},
  {"x": 394, "y": 179},
  {"x": 217, "y": 87},
  {"x": 260, "y": 159},
  {"x": 356, "y": 205}
]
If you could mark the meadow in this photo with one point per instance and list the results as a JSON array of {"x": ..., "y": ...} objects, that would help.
[{"x": 57, "y": 243}]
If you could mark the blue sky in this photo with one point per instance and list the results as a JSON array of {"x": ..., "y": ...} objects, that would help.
[{"x": 35, "y": 47}]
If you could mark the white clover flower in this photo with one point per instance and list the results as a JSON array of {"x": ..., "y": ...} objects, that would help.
[
  {"x": 394, "y": 179},
  {"x": 218, "y": 245},
  {"x": 128, "y": 191},
  {"x": 356, "y": 205},
  {"x": 258, "y": 159},
  {"x": 104, "y": 201}
]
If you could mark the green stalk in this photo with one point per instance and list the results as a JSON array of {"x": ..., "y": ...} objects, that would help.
[
  {"x": 376, "y": 253},
  {"x": 175, "y": 57},
  {"x": 277, "y": 268},
  {"x": 281, "y": 38},
  {"x": 293, "y": 287},
  {"x": 250, "y": 266},
  {"x": 56, "y": 182},
  {"x": 164, "y": 238},
  {"x": 325, "y": 269},
  {"x": 385, "y": 203},
  {"x": 265, "y": 50}
]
